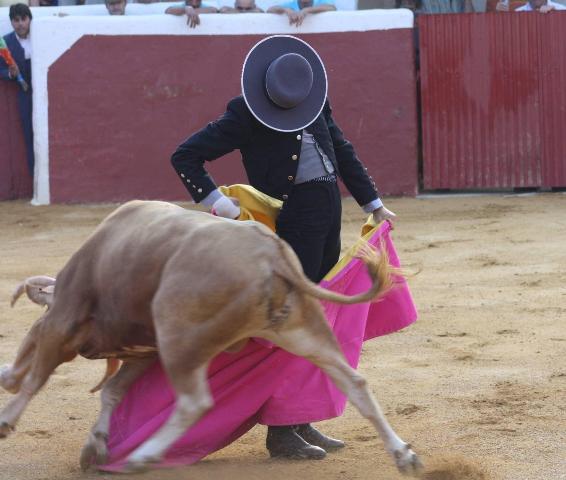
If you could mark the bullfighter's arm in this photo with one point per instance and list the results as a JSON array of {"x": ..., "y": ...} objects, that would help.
[
  {"x": 353, "y": 173},
  {"x": 230, "y": 132}
]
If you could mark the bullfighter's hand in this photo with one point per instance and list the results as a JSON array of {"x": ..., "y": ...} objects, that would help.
[
  {"x": 192, "y": 17},
  {"x": 226, "y": 207},
  {"x": 545, "y": 8},
  {"x": 381, "y": 214},
  {"x": 502, "y": 7}
]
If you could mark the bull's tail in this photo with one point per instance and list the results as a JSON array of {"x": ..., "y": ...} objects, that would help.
[{"x": 379, "y": 269}]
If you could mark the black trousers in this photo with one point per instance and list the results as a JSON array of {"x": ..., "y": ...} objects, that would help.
[{"x": 310, "y": 221}]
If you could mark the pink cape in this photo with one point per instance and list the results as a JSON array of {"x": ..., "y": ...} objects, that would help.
[{"x": 262, "y": 383}]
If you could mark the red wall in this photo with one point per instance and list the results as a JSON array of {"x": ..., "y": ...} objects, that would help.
[
  {"x": 119, "y": 106},
  {"x": 15, "y": 181},
  {"x": 493, "y": 100}
]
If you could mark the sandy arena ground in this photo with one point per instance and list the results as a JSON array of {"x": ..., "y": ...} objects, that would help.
[{"x": 477, "y": 385}]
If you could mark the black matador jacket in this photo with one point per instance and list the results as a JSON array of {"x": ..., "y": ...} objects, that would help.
[{"x": 270, "y": 157}]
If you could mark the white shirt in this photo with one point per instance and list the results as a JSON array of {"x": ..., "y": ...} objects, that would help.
[
  {"x": 26, "y": 45},
  {"x": 550, "y": 3}
]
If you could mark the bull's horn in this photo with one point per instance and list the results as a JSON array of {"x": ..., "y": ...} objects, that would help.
[{"x": 17, "y": 293}]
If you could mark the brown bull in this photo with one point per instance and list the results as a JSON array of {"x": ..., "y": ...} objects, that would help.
[{"x": 156, "y": 276}]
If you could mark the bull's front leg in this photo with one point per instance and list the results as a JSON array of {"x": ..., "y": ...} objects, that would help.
[
  {"x": 95, "y": 450},
  {"x": 11, "y": 376},
  {"x": 48, "y": 355},
  {"x": 12, "y": 412},
  {"x": 8, "y": 379}
]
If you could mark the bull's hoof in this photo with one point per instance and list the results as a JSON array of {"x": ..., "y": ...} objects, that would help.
[
  {"x": 5, "y": 429},
  {"x": 94, "y": 452},
  {"x": 408, "y": 462}
]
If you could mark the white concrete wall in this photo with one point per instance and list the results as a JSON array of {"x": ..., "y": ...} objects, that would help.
[{"x": 52, "y": 36}]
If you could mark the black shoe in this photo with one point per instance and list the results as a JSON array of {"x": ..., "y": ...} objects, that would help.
[
  {"x": 283, "y": 442},
  {"x": 314, "y": 437}
]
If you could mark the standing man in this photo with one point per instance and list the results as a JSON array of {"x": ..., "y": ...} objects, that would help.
[
  {"x": 292, "y": 150},
  {"x": 19, "y": 44}
]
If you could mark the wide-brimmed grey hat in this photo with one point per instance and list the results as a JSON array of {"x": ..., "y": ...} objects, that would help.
[{"x": 284, "y": 83}]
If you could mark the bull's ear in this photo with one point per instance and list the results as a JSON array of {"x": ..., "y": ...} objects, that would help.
[{"x": 47, "y": 293}]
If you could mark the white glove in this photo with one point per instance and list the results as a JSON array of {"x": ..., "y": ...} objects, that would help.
[{"x": 224, "y": 207}]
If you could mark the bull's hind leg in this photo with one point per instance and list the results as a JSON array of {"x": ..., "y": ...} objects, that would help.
[
  {"x": 189, "y": 334},
  {"x": 185, "y": 348},
  {"x": 313, "y": 340},
  {"x": 95, "y": 449},
  {"x": 193, "y": 400}
]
